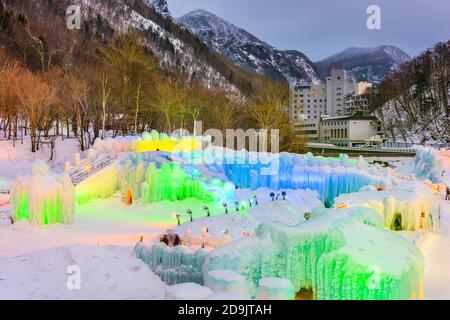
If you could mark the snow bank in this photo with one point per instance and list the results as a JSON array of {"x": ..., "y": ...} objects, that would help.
[
  {"x": 43, "y": 198},
  {"x": 4, "y": 220},
  {"x": 304, "y": 198},
  {"x": 229, "y": 282},
  {"x": 7, "y": 151},
  {"x": 280, "y": 211},
  {"x": 275, "y": 289},
  {"x": 227, "y": 227},
  {"x": 187, "y": 291},
  {"x": 339, "y": 254},
  {"x": 409, "y": 206},
  {"x": 223, "y": 296},
  {"x": 106, "y": 273}
]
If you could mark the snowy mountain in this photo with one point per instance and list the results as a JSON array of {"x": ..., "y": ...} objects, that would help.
[
  {"x": 245, "y": 49},
  {"x": 160, "y": 6},
  {"x": 370, "y": 64},
  {"x": 301, "y": 61}
]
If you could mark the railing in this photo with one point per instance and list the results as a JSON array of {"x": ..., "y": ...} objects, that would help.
[
  {"x": 410, "y": 145},
  {"x": 364, "y": 149},
  {"x": 80, "y": 175}
]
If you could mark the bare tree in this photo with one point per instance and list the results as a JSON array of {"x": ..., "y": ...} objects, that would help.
[{"x": 35, "y": 98}]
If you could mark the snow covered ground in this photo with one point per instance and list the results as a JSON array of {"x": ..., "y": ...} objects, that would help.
[
  {"x": 106, "y": 272},
  {"x": 19, "y": 160},
  {"x": 104, "y": 222},
  {"x": 435, "y": 248}
]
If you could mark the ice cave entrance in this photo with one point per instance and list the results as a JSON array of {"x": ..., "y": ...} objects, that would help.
[
  {"x": 397, "y": 222},
  {"x": 304, "y": 294}
]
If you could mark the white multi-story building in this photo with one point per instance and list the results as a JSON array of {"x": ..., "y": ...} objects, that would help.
[
  {"x": 331, "y": 113},
  {"x": 337, "y": 88},
  {"x": 308, "y": 101}
]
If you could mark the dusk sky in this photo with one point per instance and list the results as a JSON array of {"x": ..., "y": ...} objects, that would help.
[{"x": 323, "y": 27}]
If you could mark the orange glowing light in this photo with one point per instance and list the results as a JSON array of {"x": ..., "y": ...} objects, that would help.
[
  {"x": 87, "y": 167},
  {"x": 129, "y": 197},
  {"x": 341, "y": 206}
]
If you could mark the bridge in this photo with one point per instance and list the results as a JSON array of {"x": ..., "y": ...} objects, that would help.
[
  {"x": 332, "y": 150},
  {"x": 86, "y": 169}
]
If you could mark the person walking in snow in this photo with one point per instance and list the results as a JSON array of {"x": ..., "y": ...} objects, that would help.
[{"x": 447, "y": 194}]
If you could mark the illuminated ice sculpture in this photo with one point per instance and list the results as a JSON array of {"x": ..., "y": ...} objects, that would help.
[{"x": 44, "y": 197}]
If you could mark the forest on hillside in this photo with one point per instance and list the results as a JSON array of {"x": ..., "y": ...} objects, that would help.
[{"x": 413, "y": 102}]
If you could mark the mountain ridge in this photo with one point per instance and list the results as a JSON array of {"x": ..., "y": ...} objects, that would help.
[
  {"x": 371, "y": 64},
  {"x": 245, "y": 49}
]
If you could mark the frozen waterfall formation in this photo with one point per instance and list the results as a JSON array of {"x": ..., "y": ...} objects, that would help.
[
  {"x": 330, "y": 177},
  {"x": 184, "y": 263},
  {"x": 43, "y": 198},
  {"x": 149, "y": 142},
  {"x": 337, "y": 254},
  {"x": 153, "y": 177},
  {"x": 427, "y": 164},
  {"x": 174, "y": 265},
  {"x": 156, "y": 167},
  {"x": 408, "y": 206}
]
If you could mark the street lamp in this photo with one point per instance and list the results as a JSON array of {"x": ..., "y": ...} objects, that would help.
[
  {"x": 177, "y": 216},
  {"x": 208, "y": 213},
  {"x": 225, "y": 206},
  {"x": 189, "y": 212}
]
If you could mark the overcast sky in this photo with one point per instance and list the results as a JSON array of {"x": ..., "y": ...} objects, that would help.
[{"x": 320, "y": 28}]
